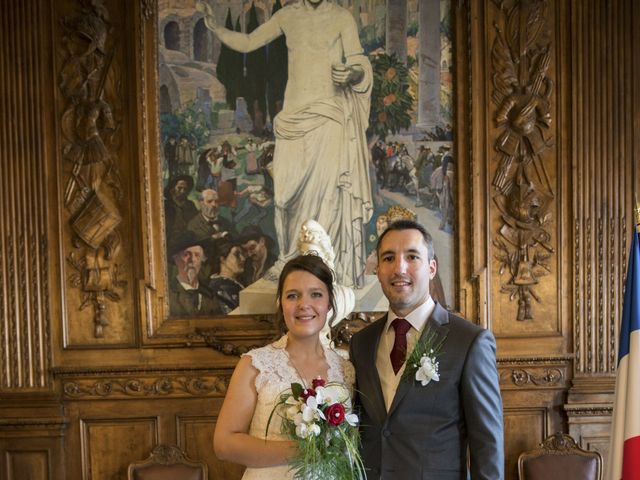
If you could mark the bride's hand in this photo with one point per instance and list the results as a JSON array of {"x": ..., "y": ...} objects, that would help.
[{"x": 209, "y": 18}]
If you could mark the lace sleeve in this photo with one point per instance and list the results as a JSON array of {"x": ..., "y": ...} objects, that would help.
[{"x": 269, "y": 363}]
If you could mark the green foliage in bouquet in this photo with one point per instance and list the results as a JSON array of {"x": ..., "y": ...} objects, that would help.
[
  {"x": 321, "y": 421},
  {"x": 391, "y": 102}
]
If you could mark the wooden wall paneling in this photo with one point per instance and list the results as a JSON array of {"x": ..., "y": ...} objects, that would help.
[
  {"x": 32, "y": 448},
  {"x": 110, "y": 444},
  {"x": 524, "y": 427},
  {"x": 31, "y": 422},
  {"x": 24, "y": 266},
  {"x": 604, "y": 118},
  {"x": 164, "y": 406},
  {"x": 109, "y": 435},
  {"x": 603, "y": 161},
  {"x": 533, "y": 395},
  {"x": 33, "y": 464},
  {"x": 590, "y": 425},
  {"x": 195, "y": 436}
]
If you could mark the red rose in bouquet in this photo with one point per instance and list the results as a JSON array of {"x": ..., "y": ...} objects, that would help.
[
  {"x": 335, "y": 414},
  {"x": 306, "y": 393},
  {"x": 320, "y": 419},
  {"x": 318, "y": 382}
]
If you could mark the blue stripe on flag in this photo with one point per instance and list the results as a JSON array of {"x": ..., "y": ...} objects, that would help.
[{"x": 631, "y": 305}]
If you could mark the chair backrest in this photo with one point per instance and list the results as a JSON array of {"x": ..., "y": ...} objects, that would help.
[
  {"x": 560, "y": 458},
  {"x": 167, "y": 462}
]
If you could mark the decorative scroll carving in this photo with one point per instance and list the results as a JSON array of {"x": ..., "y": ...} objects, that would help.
[
  {"x": 342, "y": 332},
  {"x": 520, "y": 59},
  {"x": 212, "y": 339},
  {"x": 91, "y": 136},
  {"x": 521, "y": 377},
  {"x": 535, "y": 361},
  {"x": 560, "y": 444},
  {"x": 27, "y": 424},
  {"x": 147, "y": 7},
  {"x": 158, "y": 387},
  {"x": 167, "y": 455},
  {"x": 588, "y": 410}
]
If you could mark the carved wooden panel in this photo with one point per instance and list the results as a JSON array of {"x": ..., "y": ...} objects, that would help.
[
  {"x": 523, "y": 168},
  {"x": 604, "y": 112},
  {"x": 95, "y": 200},
  {"x": 590, "y": 425},
  {"x": 532, "y": 394},
  {"x": 110, "y": 444},
  {"x": 30, "y": 453},
  {"x": 195, "y": 435},
  {"x": 103, "y": 433},
  {"x": 24, "y": 256},
  {"x": 32, "y": 464},
  {"x": 524, "y": 428}
]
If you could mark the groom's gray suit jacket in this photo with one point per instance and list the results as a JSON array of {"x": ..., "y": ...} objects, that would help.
[{"x": 426, "y": 433}]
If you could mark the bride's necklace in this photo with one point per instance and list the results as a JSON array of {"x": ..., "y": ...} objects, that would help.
[{"x": 298, "y": 369}]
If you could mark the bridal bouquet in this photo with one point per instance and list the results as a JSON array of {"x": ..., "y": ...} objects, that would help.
[{"x": 320, "y": 419}]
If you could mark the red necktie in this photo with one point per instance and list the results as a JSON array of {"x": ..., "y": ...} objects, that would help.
[{"x": 399, "y": 351}]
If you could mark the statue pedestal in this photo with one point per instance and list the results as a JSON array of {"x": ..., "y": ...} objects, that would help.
[
  {"x": 260, "y": 298},
  {"x": 257, "y": 298}
]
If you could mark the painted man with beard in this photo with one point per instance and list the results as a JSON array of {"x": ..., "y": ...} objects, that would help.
[
  {"x": 207, "y": 224},
  {"x": 187, "y": 295},
  {"x": 178, "y": 209}
]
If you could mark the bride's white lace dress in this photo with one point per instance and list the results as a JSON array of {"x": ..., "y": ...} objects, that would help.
[{"x": 276, "y": 375}]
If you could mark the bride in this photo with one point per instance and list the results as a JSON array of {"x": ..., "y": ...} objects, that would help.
[{"x": 304, "y": 296}]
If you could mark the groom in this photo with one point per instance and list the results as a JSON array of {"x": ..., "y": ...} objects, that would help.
[{"x": 415, "y": 431}]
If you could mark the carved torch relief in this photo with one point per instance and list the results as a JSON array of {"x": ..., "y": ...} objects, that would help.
[
  {"x": 90, "y": 141},
  {"x": 522, "y": 190}
]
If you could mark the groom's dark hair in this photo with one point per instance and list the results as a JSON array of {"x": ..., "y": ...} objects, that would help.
[{"x": 409, "y": 225}]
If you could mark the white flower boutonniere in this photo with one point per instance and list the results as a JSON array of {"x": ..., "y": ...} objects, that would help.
[{"x": 422, "y": 364}]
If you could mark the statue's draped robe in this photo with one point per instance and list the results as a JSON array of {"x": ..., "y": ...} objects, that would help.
[
  {"x": 320, "y": 165},
  {"x": 321, "y": 172}
]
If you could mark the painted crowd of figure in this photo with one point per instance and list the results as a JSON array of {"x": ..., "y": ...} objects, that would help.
[
  {"x": 429, "y": 178},
  {"x": 212, "y": 256}
]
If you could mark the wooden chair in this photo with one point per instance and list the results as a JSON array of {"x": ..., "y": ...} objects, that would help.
[
  {"x": 560, "y": 458},
  {"x": 167, "y": 462}
]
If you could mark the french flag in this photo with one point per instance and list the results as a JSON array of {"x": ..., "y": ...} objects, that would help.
[{"x": 624, "y": 451}]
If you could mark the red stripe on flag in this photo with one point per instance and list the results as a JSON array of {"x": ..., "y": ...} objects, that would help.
[{"x": 631, "y": 459}]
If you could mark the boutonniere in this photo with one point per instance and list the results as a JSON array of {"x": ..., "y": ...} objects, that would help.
[{"x": 422, "y": 364}]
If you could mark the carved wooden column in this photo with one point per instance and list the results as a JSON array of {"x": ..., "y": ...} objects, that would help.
[
  {"x": 604, "y": 119},
  {"x": 31, "y": 423}
]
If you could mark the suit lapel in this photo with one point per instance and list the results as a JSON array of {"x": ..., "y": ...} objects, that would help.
[
  {"x": 439, "y": 323},
  {"x": 372, "y": 378}
]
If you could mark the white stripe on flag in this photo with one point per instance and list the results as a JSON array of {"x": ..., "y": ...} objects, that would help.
[
  {"x": 624, "y": 452},
  {"x": 626, "y": 410}
]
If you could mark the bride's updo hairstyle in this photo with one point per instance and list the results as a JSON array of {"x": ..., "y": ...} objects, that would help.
[{"x": 308, "y": 263}]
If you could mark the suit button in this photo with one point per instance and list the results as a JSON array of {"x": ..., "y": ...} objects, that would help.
[{"x": 386, "y": 432}]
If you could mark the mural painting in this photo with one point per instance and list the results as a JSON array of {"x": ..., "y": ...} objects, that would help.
[{"x": 333, "y": 111}]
